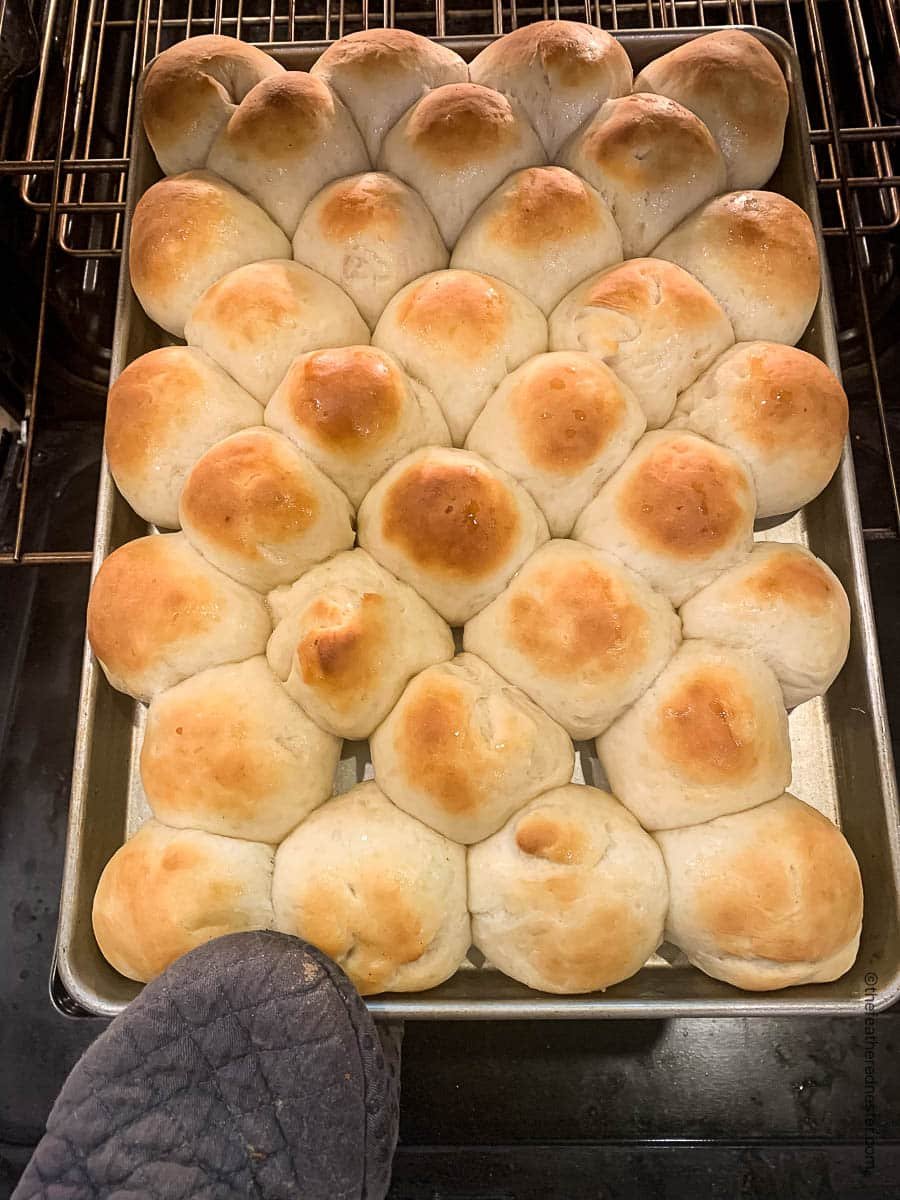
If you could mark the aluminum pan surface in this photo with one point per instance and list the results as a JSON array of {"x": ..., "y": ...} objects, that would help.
[{"x": 842, "y": 754}]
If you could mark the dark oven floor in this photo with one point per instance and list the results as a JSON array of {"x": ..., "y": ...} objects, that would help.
[{"x": 518, "y": 1111}]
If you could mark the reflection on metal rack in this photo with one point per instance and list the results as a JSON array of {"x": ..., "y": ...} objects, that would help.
[{"x": 92, "y": 52}]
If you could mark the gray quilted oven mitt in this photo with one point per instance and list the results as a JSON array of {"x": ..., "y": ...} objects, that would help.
[{"x": 251, "y": 1068}]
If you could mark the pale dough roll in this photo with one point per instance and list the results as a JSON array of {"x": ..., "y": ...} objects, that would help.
[
  {"x": 455, "y": 145},
  {"x": 765, "y": 899},
  {"x": 579, "y": 632},
  {"x": 162, "y": 413},
  {"x": 377, "y": 891},
  {"x": 452, "y": 526},
  {"x": 355, "y": 413},
  {"x": 188, "y": 231},
  {"x": 167, "y": 891},
  {"x": 560, "y": 424},
  {"x": 786, "y": 606},
  {"x": 159, "y": 612},
  {"x": 261, "y": 511},
  {"x": 709, "y": 737},
  {"x": 255, "y": 321},
  {"x": 459, "y": 333},
  {"x": 559, "y": 71},
  {"x": 651, "y": 322},
  {"x": 542, "y": 231},
  {"x": 462, "y": 750},
  {"x": 781, "y": 409},
  {"x": 679, "y": 511},
  {"x": 229, "y": 752},
  {"x": 371, "y": 234},
  {"x": 349, "y": 637},
  {"x": 570, "y": 896},
  {"x": 288, "y": 137}
]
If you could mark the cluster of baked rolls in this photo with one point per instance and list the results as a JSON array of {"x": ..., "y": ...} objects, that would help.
[{"x": 505, "y": 348}]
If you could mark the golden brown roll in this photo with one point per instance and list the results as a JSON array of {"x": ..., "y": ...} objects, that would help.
[
  {"x": 262, "y": 512},
  {"x": 459, "y": 333},
  {"x": 786, "y": 606},
  {"x": 455, "y": 145},
  {"x": 188, "y": 231},
  {"x": 781, "y": 409},
  {"x": 679, "y": 511},
  {"x": 579, "y": 632},
  {"x": 159, "y": 612},
  {"x": 651, "y": 160},
  {"x": 162, "y": 413},
  {"x": 463, "y": 751},
  {"x": 376, "y": 890},
  {"x": 289, "y": 136},
  {"x": 733, "y": 84},
  {"x": 452, "y": 526},
  {"x": 541, "y": 231},
  {"x": 559, "y": 71},
  {"x": 255, "y": 321},
  {"x": 167, "y": 891},
  {"x": 355, "y": 413},
  {"x": 379, "y": 73},
  {"x": 757, "y": 254},
  {"x": 560, "y": 424},
  {"x": 371, "y": 235},
  {"x": 348, "y": 638},
  {"x": 764, "y": 899},
  {"x": 229, "y": 752},
  {"x": 709, "y": 737},
  {"x": 651, "y": 322},
  {"x": 190, "y": 91},
  {"x": 570, "y": 896}
]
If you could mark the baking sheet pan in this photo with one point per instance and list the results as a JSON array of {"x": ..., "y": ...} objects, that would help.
[{"x": 841, "y": 748}]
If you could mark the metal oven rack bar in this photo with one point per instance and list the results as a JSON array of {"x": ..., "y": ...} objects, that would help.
[{"x": 91, "y": 52}]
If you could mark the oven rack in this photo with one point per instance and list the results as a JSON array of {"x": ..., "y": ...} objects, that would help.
[{"x": 65, "y": 133}]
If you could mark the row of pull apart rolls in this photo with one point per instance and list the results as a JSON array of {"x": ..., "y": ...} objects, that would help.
[{"x": 433, "y": 394}]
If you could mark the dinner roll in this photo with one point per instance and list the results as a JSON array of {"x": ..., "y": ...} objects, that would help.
[
  {"x": 781, "y": 409},
  {"x": 452, "y": 526},
  {"x": 542, "y": 230},
  {"x": 463, "y": 751},
  {"x": 377, "y": 891},
  {"x": 163, "y": 411},
  {"x": 559, "y": 71},
  {"x": 289, "y": 137},
  {"x": 255, "y": 321},
  {"x": 188, "y": 231},
  {"x": 785, "y": 605},
  {"x": 651, "y": 160},
  {"x": 757, "y": 254},
  {"x": 734, "y": 85},
  {"x": 579, "y": 632},
  {"x": 371, "y": 234},
  {"x": 355, "y": 413},
  {"x": 651, "y": 322},
  {"x": 379, "y": 73},
  {"x": 349, "y": 637},
  {"x": 560, "y": 424},
  {"x": 228, "y": 751},
  {"x": 709, "y": 737},
  {"x": 190, "y": 91},
  {"x": 167, "y": 891},
  {"x": 260, "y": 511},
  {"x": 679, "y": 511},
  {"x": 765, "y": 899},
  {"x": 455, "y": 145},
  {"x": 459, "y": 333},
  {"x": 570, "y": 896},
  {"x": 159, "y": 612}
]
